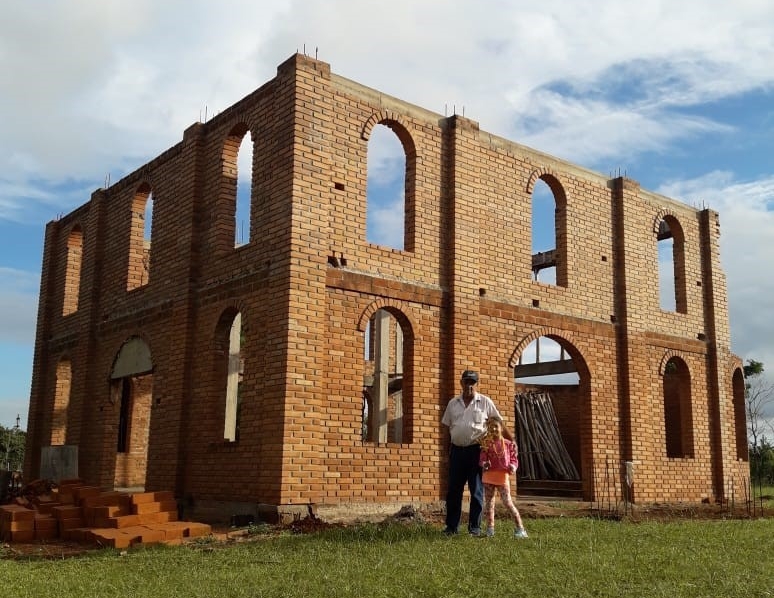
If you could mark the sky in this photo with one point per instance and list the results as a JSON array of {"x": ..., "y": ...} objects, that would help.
[{"x": 678, "y": 95}]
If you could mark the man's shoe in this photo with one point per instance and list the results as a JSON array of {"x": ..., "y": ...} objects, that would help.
[
  {"x": 475, "y": 532},
  {"x": 520, "y": 533},
  {"x": 449, "y": 532},
  {"x": 489, "y": 532}
]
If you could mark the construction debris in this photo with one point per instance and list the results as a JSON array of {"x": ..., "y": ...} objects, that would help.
[
  {"x": 542, "y": 453},
  {"x": 77, "y": 512}
]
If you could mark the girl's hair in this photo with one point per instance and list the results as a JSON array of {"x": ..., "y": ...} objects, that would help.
[{"x": 505, "y": 431}]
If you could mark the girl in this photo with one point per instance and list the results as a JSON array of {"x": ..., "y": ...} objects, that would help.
[{"x": 499, "y": 458}]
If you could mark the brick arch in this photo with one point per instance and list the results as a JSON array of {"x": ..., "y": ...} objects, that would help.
[
  {"x": 548, "y": 332},
  {"x": 391, "y": 119},
  {"x": 399, "y": 309},
  {"x": 65, "y": 355},
  {"x": 225, "y": 226},
  {"x": 550, "y": 178},
  {"x": 669, "y": 355},
  {"x": 140, "y": 196},
  {"x": 75, "y": 230},
  {"x": 400, "y": 127},
  {"x": 220, "y": 329},
  {"x": 678, "y": 254},
  {"x": 734, "y": 363},
  {"x": 73, "y": 263},
  {"x": 402, "y": 312},
  {"x": 233, "y": 307},
  {"x": 139, "y": 256},
  {"x": 661, "y": 215},
  {"x": 231, "y": 144}
]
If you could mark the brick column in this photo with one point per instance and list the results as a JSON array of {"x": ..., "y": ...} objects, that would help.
[
  {"x": 459, "y": 261},
  {"x": 39, "y": 389},
  {"x": 718, "y": 338},
  {"x": 632, "y": 397},
  {"x": 305, "y": 401},
  {"x": 95, "y": 465}
]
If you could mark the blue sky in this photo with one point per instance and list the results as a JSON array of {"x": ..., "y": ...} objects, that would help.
[{"x": 680, "y": 95}]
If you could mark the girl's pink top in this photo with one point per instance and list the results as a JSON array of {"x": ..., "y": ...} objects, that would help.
[{"x": 501, "y": 454}]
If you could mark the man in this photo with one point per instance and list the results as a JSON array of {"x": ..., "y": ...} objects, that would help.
[{"x": 466, "y": 416}]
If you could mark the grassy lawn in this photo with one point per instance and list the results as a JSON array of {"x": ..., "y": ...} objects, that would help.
[
  {"x": 563, "y": 557},
  {"x": 766, "y": 493}
]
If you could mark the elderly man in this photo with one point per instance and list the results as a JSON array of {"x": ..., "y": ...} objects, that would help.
[{"x": 466, "y": 416}]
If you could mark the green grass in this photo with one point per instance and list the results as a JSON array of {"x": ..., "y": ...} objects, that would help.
[
  {"x": 767, "y": 492},
  {"x": 563, "y": 557}
]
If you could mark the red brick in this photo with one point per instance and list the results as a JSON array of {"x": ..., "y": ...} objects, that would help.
[{"x": 460, "y": 290}]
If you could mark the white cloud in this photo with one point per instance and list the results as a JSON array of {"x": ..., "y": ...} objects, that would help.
[
  {"x": 18, "y": 306},
  {"x": 385, "y": 223},
  {"x": 746, "y": 210},
  {"x": 588, "y": 130},
  {"x": 385, "y": 188},
  {"x": 91, "y": 88},
  {"x": 101, "y": 88},
  {"x": 104, "y": 87}
]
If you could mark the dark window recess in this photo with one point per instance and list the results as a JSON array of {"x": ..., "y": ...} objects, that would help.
[{"x": 123, "y": 416}]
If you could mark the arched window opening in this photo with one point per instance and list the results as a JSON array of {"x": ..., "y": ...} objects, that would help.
[
  {"x": 244, "y": 191},
  {"x": 544, "y": 360},
  {"x": 671, "y": 266},
  {"x": 234, "y": 376},
  {"x": 549, "y": 232},
  {"x": 390, "y": 187},
  {"x": 740, "y": 416},
  {"x": 383, "y": 411},
  {"x": 131, "y": 392},
  {"x": 549, "y": 398},
  {"x": 61, "y": 402},
  {"x": 138, "y": 274},
  {"x": 73, "y": 271},
  {"x": 233, "y": 219},
  {"x": 147, "y": 232},
  {"x": 678, "y": 410}
]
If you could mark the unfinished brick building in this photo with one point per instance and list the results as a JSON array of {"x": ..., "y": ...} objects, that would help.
[{"x": 236, "y": 374}]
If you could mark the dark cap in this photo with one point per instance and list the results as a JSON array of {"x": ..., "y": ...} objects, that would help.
[{"x": 470, "y": 375}]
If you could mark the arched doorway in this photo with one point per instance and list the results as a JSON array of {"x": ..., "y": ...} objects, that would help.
[
  {"x": 552, "y": 387},
  {"x": 131, "y": 392}
]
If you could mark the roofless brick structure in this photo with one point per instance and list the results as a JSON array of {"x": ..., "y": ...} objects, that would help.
[{"x": 309, "y": 366}]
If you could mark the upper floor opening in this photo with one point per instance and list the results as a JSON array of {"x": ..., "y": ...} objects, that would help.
[
  {"x": 390, "y": 186},
  {"x": 549, "y": 231}
]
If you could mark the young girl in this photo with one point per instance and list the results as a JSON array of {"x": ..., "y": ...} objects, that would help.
[{"x": 498, "y": 459}]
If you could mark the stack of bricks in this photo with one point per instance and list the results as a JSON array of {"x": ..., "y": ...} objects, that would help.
[
  {"x": 17, "y": 524},
  {"x": 85, "y": 514}
]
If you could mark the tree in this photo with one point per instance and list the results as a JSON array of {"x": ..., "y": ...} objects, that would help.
[
  {"x": 759, "y": 399},
  {"x": 12, "y": 442},
  {"x": 762, "y": 463}
]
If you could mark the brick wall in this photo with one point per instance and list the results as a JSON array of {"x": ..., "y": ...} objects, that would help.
[{"x": 461, "y": 291}]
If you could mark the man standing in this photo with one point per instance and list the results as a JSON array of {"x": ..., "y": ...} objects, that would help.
[{"x": 466, "y": 416}]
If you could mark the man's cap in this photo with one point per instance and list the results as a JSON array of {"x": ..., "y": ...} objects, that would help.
[{"x": 470, "y": 375}]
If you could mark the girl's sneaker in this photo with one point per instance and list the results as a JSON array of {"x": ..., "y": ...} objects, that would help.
[
  {"x": 489, "y": 532},
  {"x": 520, "y": 533}
]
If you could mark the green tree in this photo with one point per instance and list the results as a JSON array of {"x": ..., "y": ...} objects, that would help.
[
  {"x": 12, "y": 442},
  {"x": 762, "y": 462},
  {"x": 759, "y": 399}
]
